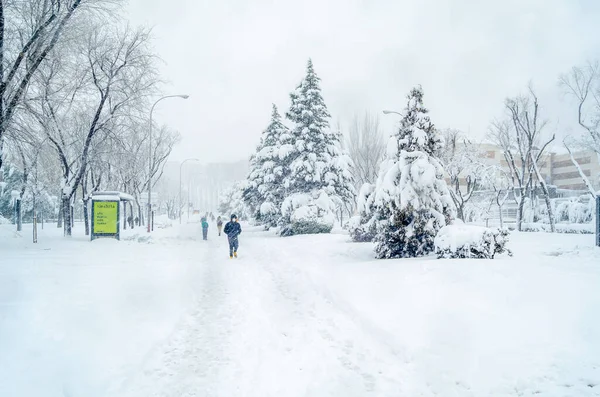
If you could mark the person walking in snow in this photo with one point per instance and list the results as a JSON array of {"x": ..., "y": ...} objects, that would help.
[
  {"x": 233, "y": 230},
  {"x": 204, "y": 229},
  {"x": 219, "y": 224}
]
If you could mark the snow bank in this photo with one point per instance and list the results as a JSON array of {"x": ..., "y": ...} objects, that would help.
[
  {"x": 467, "y": 241},
  {"x": 163, "y": 221}
]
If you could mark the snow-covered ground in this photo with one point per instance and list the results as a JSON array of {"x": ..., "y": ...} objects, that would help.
[{"x": 300, "y": 316}]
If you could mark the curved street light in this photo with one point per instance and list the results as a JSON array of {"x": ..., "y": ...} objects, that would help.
[
  {"x": 183, "y": 96},
  {"x": 180, "y": 190},
  {"x": 392, "y": 112}
]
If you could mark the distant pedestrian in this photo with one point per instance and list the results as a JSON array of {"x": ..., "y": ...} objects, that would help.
[
  {"x": 204, "y": 229},
  {"x": 233, "y": 231},
  {"x": 219, "y": 224}
]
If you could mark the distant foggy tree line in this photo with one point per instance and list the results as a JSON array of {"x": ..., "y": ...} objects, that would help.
[{"x": 77, "y": 82}]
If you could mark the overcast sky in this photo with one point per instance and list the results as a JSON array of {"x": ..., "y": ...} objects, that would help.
[{"x": 236, "y": 57}]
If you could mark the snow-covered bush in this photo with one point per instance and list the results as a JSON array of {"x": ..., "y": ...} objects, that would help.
[
  {"x": 4, "y": 221},
  {"x": 307, "y": 214},
  {"x": 163, "y": 221},
  {"x": 411, "y": 197},
  {"x": 575, "y": 211},
  {"x": 362, "y": 227},
  {"x": 468, "y": 241}
]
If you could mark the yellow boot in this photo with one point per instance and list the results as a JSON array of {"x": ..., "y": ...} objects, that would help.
[{"x": 235, "y": 254}]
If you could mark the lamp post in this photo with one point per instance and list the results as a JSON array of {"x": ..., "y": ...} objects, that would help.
[
  {"x": 180, "y": 190},
  {"x": 150, "y": 158},
  {"x": 392, "y": 111}
]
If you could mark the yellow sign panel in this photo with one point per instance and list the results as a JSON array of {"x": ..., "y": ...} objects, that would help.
[{"x": 106, "y": 217}]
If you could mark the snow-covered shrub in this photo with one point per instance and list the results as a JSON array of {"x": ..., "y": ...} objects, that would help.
[
  {"x": 567, "y": 228},
  {"x": 163, "y": 221},
  {"x": 411, "y": 197},
  {"x": 308, "y": 214},
  {"x": 4, "y": 221},
  {"x": 468, "y": 241},
  {"x": 362, "y": 227},
  {"x": 575, "y": 211}
]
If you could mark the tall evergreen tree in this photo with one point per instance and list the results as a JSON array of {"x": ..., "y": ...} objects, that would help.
[
  {"x": 264, "y": 192},
  {"x": 310, "y": 135},
  {"x": 317, "y": 165},
  {"x": 412, "y": 199}
]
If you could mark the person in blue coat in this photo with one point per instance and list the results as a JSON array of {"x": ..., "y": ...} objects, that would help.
[
  {"x": 233, "y": 231},
  {"x": 204, "y": 229}
]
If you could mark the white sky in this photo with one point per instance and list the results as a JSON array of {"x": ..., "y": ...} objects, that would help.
[{"x": 236, "y": 57}]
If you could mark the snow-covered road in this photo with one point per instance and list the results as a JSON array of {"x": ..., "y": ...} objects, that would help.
[
  {"x": 260, "y": 327},
  {"x": 302, "y": 316}
]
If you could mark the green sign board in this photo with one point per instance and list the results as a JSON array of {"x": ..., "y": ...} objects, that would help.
[{"x": 105, "y": 219}]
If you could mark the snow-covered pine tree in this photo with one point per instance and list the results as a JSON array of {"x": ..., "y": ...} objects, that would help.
[
  {"x": 319, "y": 181},
  {"x": 362, "y": 227},
  {"x": 411, "y": 197},
  {"x": 231, "y": 202},
  {"x": 264, "y": 192}
]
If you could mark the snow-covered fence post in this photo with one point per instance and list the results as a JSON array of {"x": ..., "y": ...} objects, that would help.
[{"x": 34, "y": 226}]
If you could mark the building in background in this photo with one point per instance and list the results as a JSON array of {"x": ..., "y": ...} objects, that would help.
[{"x": 556, "y": 169}]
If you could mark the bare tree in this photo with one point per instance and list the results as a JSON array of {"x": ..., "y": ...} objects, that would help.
[
  {"x": 366, "y": 147},
  {"x": 501, "y": 185},
  {"x": 29, "y": 30},
  {"x": 80, "y": 104},
  {"x": 585, "y": 179},
  {"x": 520, "y": 137},
  {"x": 583, "y": 83},
  {"x": 462, "y": 162}
]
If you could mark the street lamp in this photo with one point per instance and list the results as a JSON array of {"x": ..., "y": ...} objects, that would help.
[
  {"x": 391, "y": 111},
  {"x": 150, "y": 158},
  {"x": 180, "y": 191}
]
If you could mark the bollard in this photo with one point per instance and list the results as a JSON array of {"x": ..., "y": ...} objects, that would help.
[
  {"x": 598, "y": 221},
  {"x": 34, "y": 227}
]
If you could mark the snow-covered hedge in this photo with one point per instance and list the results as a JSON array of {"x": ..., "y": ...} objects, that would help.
[
  {"x": 308, "y": 214},
  {"x": 567, "y": 228},
  {"x": 468, "y": 241}
]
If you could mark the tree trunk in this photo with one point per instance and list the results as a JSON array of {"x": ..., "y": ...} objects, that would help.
[
  {"x": 66, "y": 210},
  {"x": 19, "y": 220},
  {"x": 520, "y": 211},
  {"x": 141, "y": 215},
  {"x": 59, "y": 223},
  {"x": 86, "y": 217},
  {"x": 460, "y": 212},
  {"x": 124, "y": 214},
  {"x": 546, "y": 196}
]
